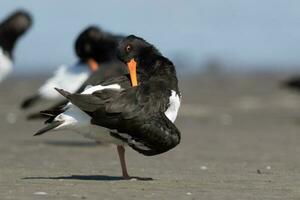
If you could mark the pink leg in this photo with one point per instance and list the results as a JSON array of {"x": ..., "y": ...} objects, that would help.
[{"x": 121, "y": 152}]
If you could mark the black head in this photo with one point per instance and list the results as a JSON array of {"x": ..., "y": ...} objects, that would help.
[
  {"x": 133, "y": 47},
  {"x": 140, "y": 57},
  {"x": 12, "y": 28},
  {"x": 93, "y": 43}
]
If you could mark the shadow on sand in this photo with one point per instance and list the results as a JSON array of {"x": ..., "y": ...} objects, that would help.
[{"x": 88, "y": 178}]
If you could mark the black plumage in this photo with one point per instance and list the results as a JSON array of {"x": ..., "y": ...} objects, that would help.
[
  {"x": 138, "y": 109},
  {"x": 137, "y": 113},
  {"x": 292, "y": 83},
  {"x": 95, "y": 43}
]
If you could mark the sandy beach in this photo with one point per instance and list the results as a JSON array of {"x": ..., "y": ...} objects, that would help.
[{"x": 240, "y": 140}]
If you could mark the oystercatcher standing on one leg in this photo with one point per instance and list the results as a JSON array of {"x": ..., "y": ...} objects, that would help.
[{"x": 141, "y": 116}]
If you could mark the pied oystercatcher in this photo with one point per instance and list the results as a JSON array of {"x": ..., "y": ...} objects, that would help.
[{"x": 139, "y": 111}]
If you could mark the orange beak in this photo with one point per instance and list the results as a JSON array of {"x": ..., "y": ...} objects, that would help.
[
  {"x": 132, "y": 71},
  {"x": 92, "y": 64}
]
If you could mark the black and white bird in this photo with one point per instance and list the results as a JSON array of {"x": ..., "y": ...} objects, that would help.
[
  {"x": 11, "y": 29},
  {"x": 94, "y": 48},
  {"x": 138, "y": 110}
]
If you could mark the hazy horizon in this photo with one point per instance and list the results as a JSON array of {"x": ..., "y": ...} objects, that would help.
[{"x": 253, "y": 33}]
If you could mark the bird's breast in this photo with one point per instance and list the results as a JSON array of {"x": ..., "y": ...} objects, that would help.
[{"x": 5, "y": 65}]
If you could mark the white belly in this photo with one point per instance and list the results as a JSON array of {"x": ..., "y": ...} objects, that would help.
[
  {"x": 78, "y": 121},
  {"x": 5, "y": 65},
  {"x": 174, "y": 104}
]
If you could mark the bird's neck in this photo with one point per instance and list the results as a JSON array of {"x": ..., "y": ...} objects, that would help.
[
  {"x": 160, "y": 68},
  {"x": 7, "y": 42}
]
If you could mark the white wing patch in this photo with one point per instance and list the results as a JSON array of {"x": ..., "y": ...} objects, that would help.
[
  {"x": 174, "y": 104},
  {"x": 92, "y": 89}
]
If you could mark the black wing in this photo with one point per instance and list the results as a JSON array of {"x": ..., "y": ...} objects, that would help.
[
  {"x": 136, "y": 113},
  {"x": 107, "y": 72},
  {"x": 95, "y": 79}
]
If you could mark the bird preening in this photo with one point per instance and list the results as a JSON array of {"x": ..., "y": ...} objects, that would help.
[
  {"x": 121, "y": 90},
  {"x": 137, "y": 108}
]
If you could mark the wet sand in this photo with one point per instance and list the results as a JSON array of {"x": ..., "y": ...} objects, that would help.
[{"x": 240, "y": 140}]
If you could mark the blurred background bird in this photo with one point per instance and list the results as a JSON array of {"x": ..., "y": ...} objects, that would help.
[
  {"x": 11, "y": 29},
  {"x": 95, "y": 49}
]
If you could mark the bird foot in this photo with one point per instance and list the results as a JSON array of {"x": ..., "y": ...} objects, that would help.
[{"x": 126, "y": 177}]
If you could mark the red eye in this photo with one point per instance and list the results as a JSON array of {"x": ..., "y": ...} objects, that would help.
[{"x": 128, "y": 48}]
